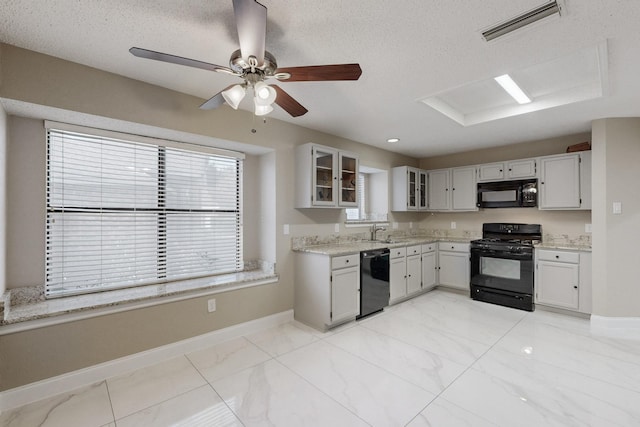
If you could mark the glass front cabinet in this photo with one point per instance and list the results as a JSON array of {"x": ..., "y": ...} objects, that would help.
[
  {"x": 326, "y": 177},
  {"x": 409, "y": 189}
]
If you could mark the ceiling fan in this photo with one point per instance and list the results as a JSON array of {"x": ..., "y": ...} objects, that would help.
[{"x": 254, "y": 65}]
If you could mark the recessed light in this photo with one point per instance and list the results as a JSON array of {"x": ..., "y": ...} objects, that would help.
[
  {"x": 512, "y": 89},
  {"x": 393, "y": 140}
]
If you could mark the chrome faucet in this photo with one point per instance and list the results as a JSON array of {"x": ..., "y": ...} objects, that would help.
[{"x": 374, "y": 230}]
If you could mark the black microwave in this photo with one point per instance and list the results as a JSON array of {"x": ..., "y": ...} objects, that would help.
[{"x": 508, "y": 194}]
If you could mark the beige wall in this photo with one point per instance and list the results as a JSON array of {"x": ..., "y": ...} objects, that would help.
[
  {"x": 557, "y": 223},
  {"x": 26, "y": 176},
  {"x": 616, "y": 286},
  {"x": 3, "y": 198},
  {"x": 45, "y": 81}
]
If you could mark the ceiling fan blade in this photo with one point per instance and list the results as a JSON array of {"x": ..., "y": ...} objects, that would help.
[
  {"x": 251, "y": 22},
  {"x": 173, "y": 59},
  {"x": 288, "y": 104},
  {"x": 215, "y": 101},
  {"x": 321, "y": 73}
]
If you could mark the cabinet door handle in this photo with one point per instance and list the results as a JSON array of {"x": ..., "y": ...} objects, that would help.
[
  {"x": 347, "y": 261},
  {"x": 575, "y": 287},
  {"x": 557, "y": 256}
]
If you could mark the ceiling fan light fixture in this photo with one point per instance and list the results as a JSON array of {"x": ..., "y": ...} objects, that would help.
[
  {"x": 265, "y": 95},
  {"x": 234, "y": 95},
  {"x": 512, "y": 89},
  {"x": 262, "y": 110}
]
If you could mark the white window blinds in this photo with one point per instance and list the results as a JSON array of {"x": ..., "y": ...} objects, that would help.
[
  {"x": 122, "y": 213},
  {"x": 359, "y": 213}
]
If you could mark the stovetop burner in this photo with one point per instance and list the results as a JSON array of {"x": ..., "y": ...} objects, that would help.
[{"x": 511, "y": 233}]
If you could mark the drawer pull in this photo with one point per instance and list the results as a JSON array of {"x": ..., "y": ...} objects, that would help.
[
  {"x": 347, "y": 261},
  {"x": 557, "y": 256}
]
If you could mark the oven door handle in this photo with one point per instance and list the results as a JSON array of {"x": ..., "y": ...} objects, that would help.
[{"x": 502, "y": 254}]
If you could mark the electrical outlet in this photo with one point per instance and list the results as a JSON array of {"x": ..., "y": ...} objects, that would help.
[
  {"x": 211, "y": 305},
  {"x": 336, "y": 227},
  {"x": 453, "y": 225},
  {"x": 395, "y": 225},
  {"x": 617, "y": 208},
  {"x": 410, "y": 224},
  {"x": 587, "y": 228},
  {"x": 286, "y": 229}
]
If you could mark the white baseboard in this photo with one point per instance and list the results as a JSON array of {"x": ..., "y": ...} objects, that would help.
[
  {"x": 33, "y": 392},
  {"x": 621, "y": 327}
]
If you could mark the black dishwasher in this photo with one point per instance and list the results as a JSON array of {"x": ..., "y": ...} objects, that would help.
[{"x": 374, "y": 281}]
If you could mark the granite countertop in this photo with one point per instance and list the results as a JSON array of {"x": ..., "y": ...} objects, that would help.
[
  {"x": 352, "y": 247},
  {"x": 337, "y": 249},
  {"x": 564, "y": 246}
]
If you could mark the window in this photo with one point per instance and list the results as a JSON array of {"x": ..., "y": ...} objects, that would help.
[
  {"x": 373, "y": 200},
  {"x": 124, "y": 213},
  {"x": 358, "y": 213}
]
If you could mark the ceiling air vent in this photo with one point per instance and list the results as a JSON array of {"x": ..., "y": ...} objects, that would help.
[{"x": 548, "y": 9}]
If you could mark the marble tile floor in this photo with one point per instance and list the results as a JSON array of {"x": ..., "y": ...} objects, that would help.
[{"x": 440, "y": 359}]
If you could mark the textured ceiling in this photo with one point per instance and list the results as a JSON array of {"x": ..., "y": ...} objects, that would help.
[{"x": 408, "y": 50}]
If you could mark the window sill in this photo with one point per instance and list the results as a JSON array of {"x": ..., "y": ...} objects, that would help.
[
  {"x": 364, "y": 223},
  {"x": 26, "y": 308}
]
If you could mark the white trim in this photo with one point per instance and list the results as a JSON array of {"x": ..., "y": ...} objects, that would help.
[
  {"x": 33, "y": 392},
  {"x": 48, "y": 124},
  {"x": 616, "y": 326}
]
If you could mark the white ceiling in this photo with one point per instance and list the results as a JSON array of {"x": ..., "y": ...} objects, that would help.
[{"x": 408, "y": 50}]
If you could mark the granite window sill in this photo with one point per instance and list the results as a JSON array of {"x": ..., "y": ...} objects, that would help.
[{"x": 28, "y": 303}]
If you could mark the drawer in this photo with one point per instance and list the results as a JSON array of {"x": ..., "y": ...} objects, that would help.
[
  {"x": 345, "y": 261},
  {"x": 397, "y": 252},
  {"x": 560, "y": 256},
  {"x": 453, "y": 247},
  {"x": 428, "y": 247},
  {"x": 414, "y": 250}
]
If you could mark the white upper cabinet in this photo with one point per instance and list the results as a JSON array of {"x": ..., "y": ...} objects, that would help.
[
  {"x": 325, "y": 177},
  {"x": 463, "y": 189},
  {"x": 521, "y": 169},
  {"x": 512, "y": 169},
  {"x": 564, "y": 179},
  {"x": 409, "y": 189},
  {"x": 438, "y": 190},
  {"x": 422, "y": 190},
  {"x": 491, "y": 172},
  {"x": 347, "y": 179}
]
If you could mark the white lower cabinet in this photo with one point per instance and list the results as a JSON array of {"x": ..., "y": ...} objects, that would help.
[
  {"x": 563, "y": 279},
  {"x": 327, "y": 289},
  {"x": 429, "y": 267},
  {"x": 414, "y": 273},
  {"x": 345, "y": 294},
  {"x": 405, "y": 272},
  {"x": 453, "y": 265},
  {"x": 397, "y": 274}
]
